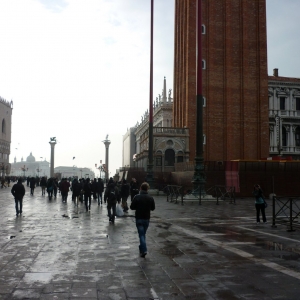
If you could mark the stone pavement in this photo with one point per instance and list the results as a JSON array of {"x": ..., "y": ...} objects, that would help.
[{"x": 194, "y": 252}]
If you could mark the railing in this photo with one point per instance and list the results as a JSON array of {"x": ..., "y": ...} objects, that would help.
[
  {"x": 220, "y": 192},
  {"x": 288, "y": 211}
]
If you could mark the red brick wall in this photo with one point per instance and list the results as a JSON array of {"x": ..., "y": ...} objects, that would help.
[{"x": 235, "y": 82}]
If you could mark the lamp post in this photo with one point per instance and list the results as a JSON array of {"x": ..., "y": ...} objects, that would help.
[
  {"x": 199, "y": 175},
  {"x": 150, "y": 137},
  {"x": 81, "y": 173},
  {"x": 38, "y": 170},
  {"x": 24, "y": 169}
]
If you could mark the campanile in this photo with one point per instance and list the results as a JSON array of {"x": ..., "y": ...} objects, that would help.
[{"x": 235, "y": 78}]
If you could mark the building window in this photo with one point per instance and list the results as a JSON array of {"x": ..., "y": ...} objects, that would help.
[
  {"x": 284, "y": 137},
  {"x": 203, "y": 29},
  {"x": 203, "y": 64},
  {"x": 297, "y": 103},
  {"x": 169, "y": 158},
  {"x": 204, "y": 101},
  {"x": 297, "y": 136},
  {"x": 158, "y": 161},
  {"x": 3, "y": 126},
  {"x": 282, "y": 103},
  {"x": 180, "y": 156},
  {"x": 204, "y": 139}
]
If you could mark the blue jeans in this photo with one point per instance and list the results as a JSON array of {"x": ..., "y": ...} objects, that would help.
[
  {"x": 99, "y": 196},
  {"x": 17, "y": 202},
  {"x": 142, "y": 226}
]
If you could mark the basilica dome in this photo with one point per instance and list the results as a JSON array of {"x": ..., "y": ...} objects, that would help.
[{"x": 30, "y": 158}]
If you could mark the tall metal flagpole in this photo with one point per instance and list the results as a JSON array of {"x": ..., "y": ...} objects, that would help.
[
  {"x": 150, "y": 150},
  {"x": 199, "y": 175}
]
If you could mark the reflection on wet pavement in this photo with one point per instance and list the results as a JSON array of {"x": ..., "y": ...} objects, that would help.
[{"x": 59, "y": 251}]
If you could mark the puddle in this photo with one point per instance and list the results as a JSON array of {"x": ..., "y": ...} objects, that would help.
[
  {"x": 281, "y": 252},
  {"x": 37, "y": 277},
  {"x": 11, "y": 237}
]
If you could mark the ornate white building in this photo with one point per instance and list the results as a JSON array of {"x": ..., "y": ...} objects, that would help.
[
  {"x": 5, "y": 140},
  {"x": 284, "y": 116},
  {"x": 30, "y": 167},
  {"x": 170, "y": 144}
]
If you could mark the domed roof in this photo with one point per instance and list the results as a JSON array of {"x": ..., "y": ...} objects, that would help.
[{"x": 30, "y": 158}]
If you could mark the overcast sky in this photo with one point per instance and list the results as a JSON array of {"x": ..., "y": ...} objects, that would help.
[{"x": 79, "y": 70}]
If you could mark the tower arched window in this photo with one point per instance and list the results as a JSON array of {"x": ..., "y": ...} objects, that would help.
[
  {"x": 203, "y": 64},
  {"x": 203, "y": 29},
  {"x": 204, "y": 101},
  {"x": 3, "y": 126}
]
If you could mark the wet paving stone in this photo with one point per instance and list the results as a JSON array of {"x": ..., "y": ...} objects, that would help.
[{"x": 194, "y": 252}]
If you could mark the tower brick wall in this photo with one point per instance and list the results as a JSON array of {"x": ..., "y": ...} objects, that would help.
[{"x": 235, "y": 81}]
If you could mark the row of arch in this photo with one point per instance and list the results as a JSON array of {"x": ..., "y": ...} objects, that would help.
[{"x": 168, "y": 158}]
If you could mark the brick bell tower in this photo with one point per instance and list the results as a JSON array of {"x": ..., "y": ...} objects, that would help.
[{"x": 235, "y": 78}]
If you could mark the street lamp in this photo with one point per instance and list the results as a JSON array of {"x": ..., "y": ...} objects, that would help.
[{"x": 24, "y": 169}]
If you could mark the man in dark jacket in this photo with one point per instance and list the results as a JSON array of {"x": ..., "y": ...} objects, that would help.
[
  {"x": 142, "y": 204},
  {"x": 112, "y": 196},
  {"x": 100, "y": 189},
  {"x": 87, "y": 187},
  {"x": 18, "y": 192}
]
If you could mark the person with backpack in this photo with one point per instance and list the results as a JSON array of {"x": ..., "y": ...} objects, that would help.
[
  {"x": 87, "y": 187},
  {"x": 18, "y": 192},
  {"x": 112, "y": 197},
  {"x": 142, "y": 203}
]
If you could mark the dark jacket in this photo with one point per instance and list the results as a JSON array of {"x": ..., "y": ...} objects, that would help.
[
  {"x": 18, "y": 191},
  {"x": 100, "y": 186},
  {"x": 107, "y": 195},
  {"x": 142, "y": 204},
  {"x": 87, "y": 187},
  {"x": 76, "y": 188},
  {"x": 125, "y": 190},
  {"x": 32, "y": 183},
  {"x": 65, "y": 185}
]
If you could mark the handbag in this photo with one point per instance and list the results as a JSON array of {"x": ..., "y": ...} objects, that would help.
[{"x": 265, "y": 203}]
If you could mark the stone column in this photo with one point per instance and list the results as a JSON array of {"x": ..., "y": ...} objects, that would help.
[
  {"x": 106, "y": 143},
  {"x": 52, "y": 144}
]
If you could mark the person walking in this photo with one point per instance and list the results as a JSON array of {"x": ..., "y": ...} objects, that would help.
[
  {"x": 259, "y": 203},
  {"x": 142, "y": 203},
  {"x": 112, "y": 196},
  {"x": 64, "y": 189},
  {"x": 50, "y": 188},
  {"x": 124, "y": 195},
  {"x": 87, "y": 187},
  {"x": 43, "y": 184},
  {"x": 76, "y": 189},
  {"x": 18, "y": 192},
  {"x": 32, "y": 185},
  {"x": 100, "y": 189}
]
